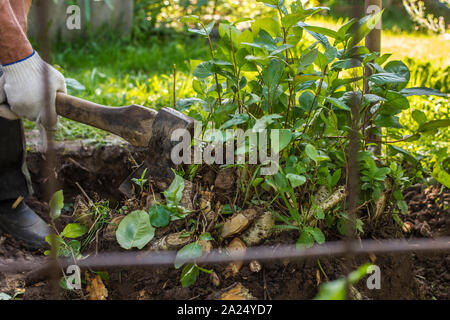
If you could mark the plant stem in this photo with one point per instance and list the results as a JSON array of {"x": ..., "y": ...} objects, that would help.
[{"x": 174, "y": 86}]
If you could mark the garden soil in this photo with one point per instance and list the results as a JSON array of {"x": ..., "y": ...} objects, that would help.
[{"x": 100, "y": 169}]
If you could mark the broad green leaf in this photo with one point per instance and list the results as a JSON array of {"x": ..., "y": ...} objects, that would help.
[
  {"x": 159, "y": 216},
  {"x": 400, "y": 69},
  {"x": 265, "y": 121},
  {"x": 434, "y": 124},
  {"x": 388, "y": 121},
  {"x": 346, "y": 64},
  {"x": 338, "y": 103},
  {"x": 393, "y": 150},
  {"x": 189, "y": 275},
  {"x": 419, "y": 116},
  {"x": 74, "y": 230},
  {"x": 268, "y": 24},
  {"x": 237, "y": 119},
  {"x": 284, "y": 139},
  {"x": 386, "y": 78},
  {"x": 183, "y": 104},
  {"x": 306, "y": 60},
  {"x": 306, "y": 240},
  {"x": 325, "y": 31},
  {"x": 365, "y": 25},
  {"x": 318, "y": 235},
  {"x": 135, "y": 230},
  {"x": 56, "y": 204},
  {"x": 188, "y": 253},
  {"x": 422, "y": 92},
  {"x": 321, "y": 61},
  {"x": 441, "y": 175},
  {"x": 175, "y": 191},
  {"x": 312, "y": 153},
  {"x": 204, "y": 70},
  {"x": 295, "y": 180}
]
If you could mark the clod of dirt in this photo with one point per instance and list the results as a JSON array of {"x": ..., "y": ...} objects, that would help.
[
  {"x": 110, "y": 232},
  {"x": 95, "y": 288},
  {"x": 235, "y": 249},
  {"x": 215, "y": 279},
  {"x": 407, "y": 227},
  {"x": 172, "y": 241},
  {"x": 235, "y": 292},
  {"x": 380, "y": 205},
  {"x": 261, "y": 230},
  {"x": 234, "y": 226},
  {"x": 328, "y": 201},
  {"x": 188, "y": 195},
  {"x": 238, "y": 223},
  {"x": 225, "y": 179},
  {"x": 82, "y": 212},
  {"x": 255, "y": 266},
  {"x": 206, "y": 246}
]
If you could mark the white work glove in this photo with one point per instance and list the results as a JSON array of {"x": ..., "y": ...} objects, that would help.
[
  {"x": 25, "y": 89},
  {"x": 5, "y": 112},
  {"x": 2, "y": 87}
]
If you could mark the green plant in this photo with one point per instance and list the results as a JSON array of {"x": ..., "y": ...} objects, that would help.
[{"x": 318, "y": 96}]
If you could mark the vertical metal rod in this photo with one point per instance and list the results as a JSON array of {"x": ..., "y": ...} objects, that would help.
[{"x": 49, "y": 165}]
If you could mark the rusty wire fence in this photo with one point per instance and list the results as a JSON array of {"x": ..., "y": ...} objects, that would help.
[{"x": 49, "y": 268}]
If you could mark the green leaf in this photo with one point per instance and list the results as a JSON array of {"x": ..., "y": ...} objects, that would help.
[
  {"x": 422, "y": 92},
  {"x": 338, "y": 103},
  {"x": 284, "y": 139},
  {"x": 312, "y": 153},
  {"x": 318, "y": 235},
  {"x": 189, "y": 275},
  {"x": 135, "y": 230},
  {"x": 400, "y": 69},
  {"x": 321, "y": 61},
  {"x": 265, "y": 122},
  {"x": 268, "y": 24},
  {"x": 56, "y": 204},
  {"x": 346, "y": 64},
  {"x": 206, "y": 236},
  {"x": 159, "y": 216},
  {"x": 434, "y": 124},
  {"x": 419, "y": 116},
  {"x": 74, "y": 230},
  {"x": 393, "y": 150},
  {"x": 204, "y": 70},
  {"x": 388, "y": 121},
  {"x": 365, "y": 25},
  {"x": 441, "y": 175},
  {"x": 175, "y": 191},
  {"x": 386, "y": 78},
  {"x": 307, "y": 59},
  {"x": 237, "y": 119},
  {"x": 325, "y": 31},
  {"x": 306, "y": 240},
  {"x": 319, "y": 213},
  {"x": 188, "y": 253},
  {"x": 190, "y": 19},
  {"x": 295, "y": 180},
  {"x": 336, "y": 177}
]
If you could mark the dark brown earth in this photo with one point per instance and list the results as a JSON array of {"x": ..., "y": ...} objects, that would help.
[{"x": 100, "y": 170}]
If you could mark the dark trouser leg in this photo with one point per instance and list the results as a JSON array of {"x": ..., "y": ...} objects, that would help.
[{"x": 14, "y": 176}]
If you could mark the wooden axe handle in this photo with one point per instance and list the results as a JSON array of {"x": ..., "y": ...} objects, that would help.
[{"x": 133, "y": 123}]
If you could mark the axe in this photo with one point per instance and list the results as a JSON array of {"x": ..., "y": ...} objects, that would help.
[{"x": 140, "y": 126}]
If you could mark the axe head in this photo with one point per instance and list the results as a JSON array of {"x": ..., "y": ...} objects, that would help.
[{"x": 158, "y": 160}]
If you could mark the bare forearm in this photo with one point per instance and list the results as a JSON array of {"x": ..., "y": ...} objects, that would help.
[
  {"x": 14, "y": 44},
  {"x": 21, "y": 8}
]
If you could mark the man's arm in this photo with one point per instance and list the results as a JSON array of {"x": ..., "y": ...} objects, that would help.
[{"x": 14, "y": 45}]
